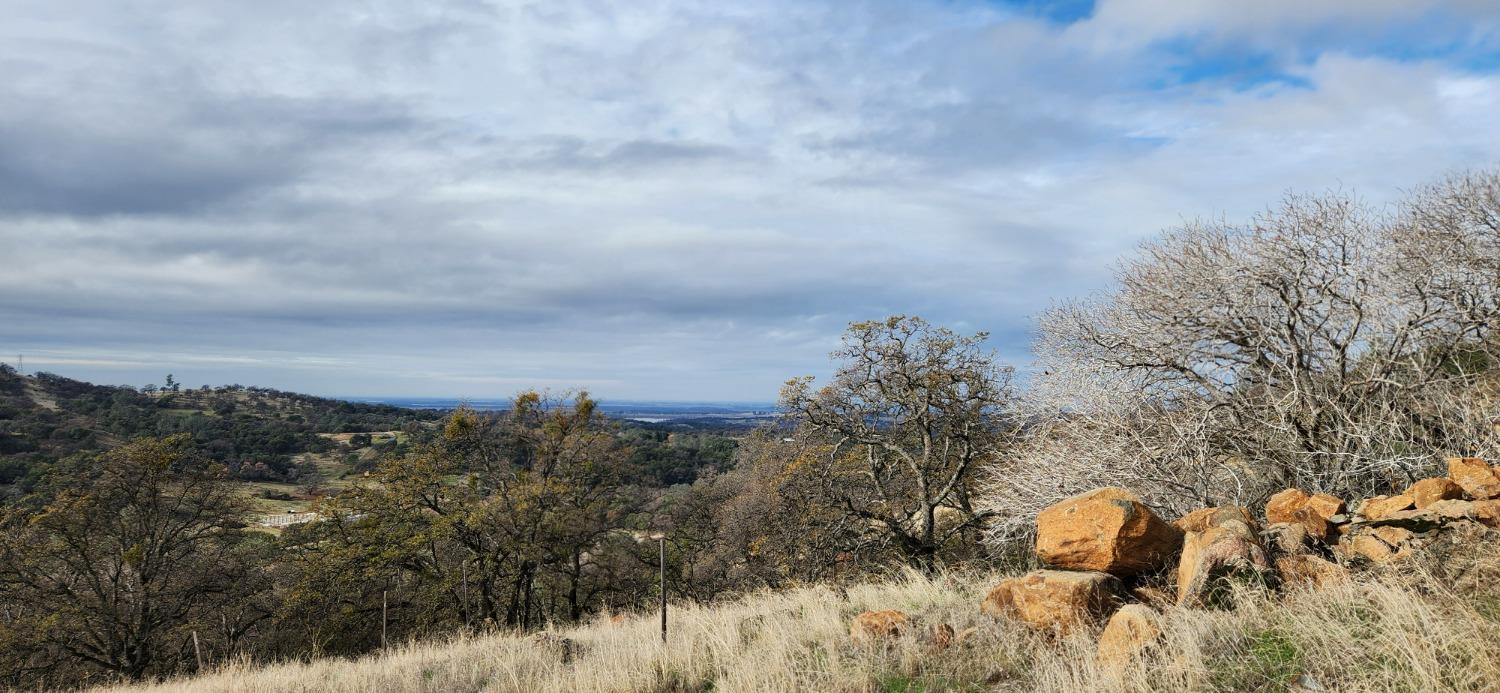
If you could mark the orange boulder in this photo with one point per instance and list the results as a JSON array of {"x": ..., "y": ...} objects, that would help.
[
  {"x": 1475, "y": 476},
  {"x": 1055, "y": 600},
  {"x": 1107, "y": 530},
  {"x": 1428, "y": 491}
]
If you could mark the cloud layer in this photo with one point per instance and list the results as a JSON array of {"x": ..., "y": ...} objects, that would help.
[{"x": 658, "y": 199}]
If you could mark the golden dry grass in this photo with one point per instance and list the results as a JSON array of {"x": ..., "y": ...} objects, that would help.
[{"x": 1396, "y": 632}]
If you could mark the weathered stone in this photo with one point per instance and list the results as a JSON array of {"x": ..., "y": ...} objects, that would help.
[
  {"x": 1313, "y": 523},
  {"x": 1378, "y": 544},
  {"x": 1428, "y": 491},
  {"x": 1287, "y": 538},
  {"x": 1487, "y": 512},
  {"x": 1475, "y": 476},
  {"x": 1203, "y": 518},
  {"x": 1367, "y": 546},
  {"x": 1217, "y": 556},
  {"x": 1130, "y": 631},
  {"x": 1282, "y": 505},
  {"x": 1307, "y": 569},
  {"x": 1381, "y": 506},
  {"x": 1413, "y": 520},
  {"x": 874, "y": 626},
  {"x": 1454, "y": 509},
  {"x": 1326, "y": 506},
  {"x": 1054, "y": 600},
  {"x": 1107, "y": 530}
]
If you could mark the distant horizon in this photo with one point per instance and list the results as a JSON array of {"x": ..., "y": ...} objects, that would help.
[{"x": 392, "y": 399}]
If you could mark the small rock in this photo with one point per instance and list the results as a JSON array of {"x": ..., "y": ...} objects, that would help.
[
  {"x": 1453, "y": 509},
  {"x": 1307, "y": 569},
  {"x": 1281, "y": 506},
  {"x": 1130, "y": 631},
  {"x": 1487, "y": 512},
  {"x": 1428, "y": 491},
  {"x": 1378, "y": 544},
  {"x": 1475, "y": 476},
  {"x": 1326, "y": 505},
  {"x": 1107, "y": 530},
  {"x": 1381, "y": 506},
  {"x": 873, "y": 626},
  {"x": 1287, "y": 538},
  {"x": 1203, "y": 518},
  {"x": 1055, "y": 600}
]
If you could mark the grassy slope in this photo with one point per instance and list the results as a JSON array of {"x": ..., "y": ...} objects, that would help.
[{"x": 1394, "y": 630}]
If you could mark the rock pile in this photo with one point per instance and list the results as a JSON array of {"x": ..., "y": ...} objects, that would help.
[{"x": 1102, "y": 549}]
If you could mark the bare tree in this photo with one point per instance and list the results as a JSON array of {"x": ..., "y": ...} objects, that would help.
[
  {"x": 1320, "y": 345},
  {"x": 910, "y": 414}
]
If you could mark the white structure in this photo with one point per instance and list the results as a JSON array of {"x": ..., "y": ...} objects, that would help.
[{"x": 286, "y": 519}]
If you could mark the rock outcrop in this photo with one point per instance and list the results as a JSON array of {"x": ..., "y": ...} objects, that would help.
[
  {"x": 1107, "y": 530},
  {"x": 1107, "y": 550}
]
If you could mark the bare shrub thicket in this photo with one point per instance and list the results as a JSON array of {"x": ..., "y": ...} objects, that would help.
[{"x": 1322, "y": 345}]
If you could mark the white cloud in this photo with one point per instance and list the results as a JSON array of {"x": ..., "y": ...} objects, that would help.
[{"x": 659, "y": 199}]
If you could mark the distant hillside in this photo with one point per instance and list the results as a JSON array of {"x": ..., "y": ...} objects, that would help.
[{"x": 258, "y": 433}]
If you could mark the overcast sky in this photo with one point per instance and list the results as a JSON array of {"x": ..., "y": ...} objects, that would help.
[{"x": 659, "y": 199}]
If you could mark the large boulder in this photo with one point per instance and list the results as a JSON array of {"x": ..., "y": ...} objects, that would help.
[
  {"x": 1428, "y": 491},
  {"x": 1130, "y": 631},
  {"x": 1217, "y": 556},
  {"x": 878, "y": 626},
  {"x": 1055, "y": 600},
  {"x": 1310, "y": 570},
  {"x": 1107, "y": 530},
  {"x": 1475, "y": 476}
]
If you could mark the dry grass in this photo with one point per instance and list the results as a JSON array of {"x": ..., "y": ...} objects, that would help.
[{"x": 1382, "y": 633}]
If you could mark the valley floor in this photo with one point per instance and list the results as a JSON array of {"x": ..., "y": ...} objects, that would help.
[{"x": 1399, "y": 629}]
